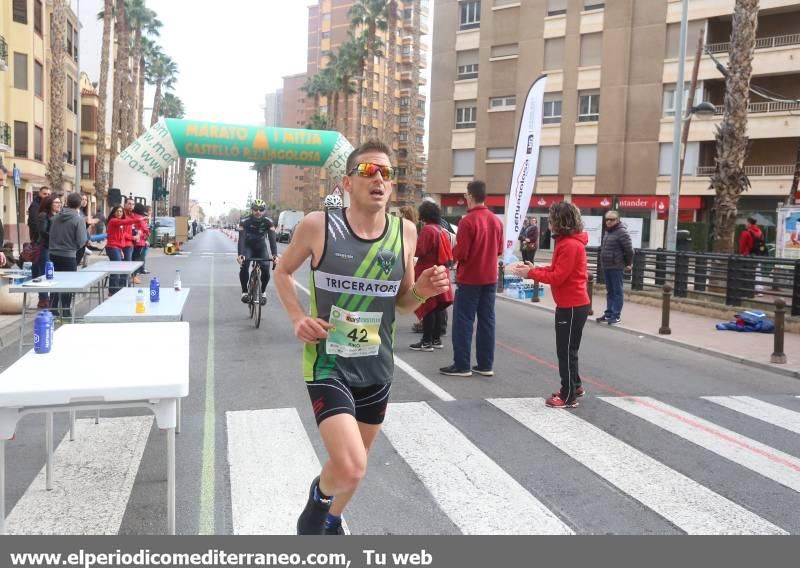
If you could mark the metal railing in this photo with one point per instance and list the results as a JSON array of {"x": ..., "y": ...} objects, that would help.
[
  {"x": 770, "y": 106},
  {"x": 726, "y": 279},
  {"x": 761, "y": 43},
  {"x": 756, "y": 171}
]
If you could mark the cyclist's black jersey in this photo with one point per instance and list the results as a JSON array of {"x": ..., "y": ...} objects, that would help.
[{"x": 252, "y": 232}]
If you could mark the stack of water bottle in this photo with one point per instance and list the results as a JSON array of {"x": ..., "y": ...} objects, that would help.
[{"x": 517, "y": 288}]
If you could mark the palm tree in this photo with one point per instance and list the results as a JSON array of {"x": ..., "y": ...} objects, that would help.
[
  {"x": 119, "y": 94},
  {"x": 123, "y": 71},
  {"x": 149, "y": 50},
  {"x": 163, "y": 72},
  {"x": 313, "y": 88},
  {"x": 55, "y": 165},
  {"x": 370, "y": 15},
  {"x": 172, "y": 107},
  {"x": 350, "y": 62},
  {"x": 143, "y": 22},
  {"x": 332, "y": 80},
  {"x": 317, "y": 121},
  {"x": 107, "y": 16},
  {"x": 729, "y": 179}
]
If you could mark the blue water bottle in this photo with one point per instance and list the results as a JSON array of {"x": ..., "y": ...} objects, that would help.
[
  {"x": 48, "y": 270},
  {"x": 155, "y": 289},
  {"x": 43, "y": 332}
]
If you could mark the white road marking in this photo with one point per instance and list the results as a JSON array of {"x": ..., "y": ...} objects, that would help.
[
  {"x": 764, "y": 411},
  {"x": 475, "y": 492},
  {"x": 690, "y": 506},
  {"x": 92, "y": 481}
]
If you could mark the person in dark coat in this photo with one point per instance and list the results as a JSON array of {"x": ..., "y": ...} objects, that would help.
[{"x": 616, "y": 258}]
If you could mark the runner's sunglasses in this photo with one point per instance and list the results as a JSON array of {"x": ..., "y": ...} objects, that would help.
[
  {"x": 262, "y": 209},
  {"x": 368, "y": 170}
]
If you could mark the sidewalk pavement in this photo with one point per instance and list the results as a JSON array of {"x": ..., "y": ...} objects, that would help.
[{"x": 692, "y": 332}]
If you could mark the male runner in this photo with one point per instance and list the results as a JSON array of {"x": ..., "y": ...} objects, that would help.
[
  {"x": 362, "y": 270},
  {"x": 253, "y": 232}
]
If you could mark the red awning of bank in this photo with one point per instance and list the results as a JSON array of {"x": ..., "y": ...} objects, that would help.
[
  {"x": 500, "y": 200},
  {"x": 658, "y": 202}
]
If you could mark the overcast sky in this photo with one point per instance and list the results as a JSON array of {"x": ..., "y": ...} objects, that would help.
[{"x": 229, "y": 54}]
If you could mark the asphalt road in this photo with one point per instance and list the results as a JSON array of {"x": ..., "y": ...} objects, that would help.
[{"x": 644, "y": 453}]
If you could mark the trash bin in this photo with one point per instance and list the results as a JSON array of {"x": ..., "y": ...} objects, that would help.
[{"x": 683, "y": 241}]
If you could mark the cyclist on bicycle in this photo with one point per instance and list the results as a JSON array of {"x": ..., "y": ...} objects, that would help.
[{"x": 253, "y": 232}]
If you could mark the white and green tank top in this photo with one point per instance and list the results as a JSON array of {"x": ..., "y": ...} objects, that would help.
[{"x": 355, "y": 287}]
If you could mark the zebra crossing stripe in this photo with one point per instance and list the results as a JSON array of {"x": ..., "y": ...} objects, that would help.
[
  {"x": 470, "y": 488},
  {"x": 760, "y": 410},
  {"x": 690, "y": 506},
  {"x": 760, "y": 458},
  {"x": 272, "y": 463},
  {"x": 92, "y": 481}
]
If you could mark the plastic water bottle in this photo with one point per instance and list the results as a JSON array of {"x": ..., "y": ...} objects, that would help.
[
  {"x": 140, "y": 301},
  {"x": 27, "y": 267},
  {"x": 155, "y": 289},
  {"x": 43, "y": 332},
  {"x": 177, "y": 283},
  {"x": 48, "y": 270}
]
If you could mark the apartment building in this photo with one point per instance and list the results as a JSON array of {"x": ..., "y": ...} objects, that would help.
[
  {"x": 90, "y": 102},
  {"x": 291, "y": 179},
  {"x": 397, "y": 115},
  {"x": 611, "y": 71},
  {"x": 25, "y": 103}
]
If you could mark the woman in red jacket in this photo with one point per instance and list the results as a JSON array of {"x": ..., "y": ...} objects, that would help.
[
  {"x": 117, "y": 240},
  {"x": 140, "y": 237},
  {"x": 567, "y": 275},
  {"x": 432, "y": 311}
]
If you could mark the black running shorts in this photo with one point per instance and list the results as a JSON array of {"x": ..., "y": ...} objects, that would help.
[{"x": 330, "y": 397}]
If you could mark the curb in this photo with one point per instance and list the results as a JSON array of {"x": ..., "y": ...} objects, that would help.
[{"x": 664, "y": 339}]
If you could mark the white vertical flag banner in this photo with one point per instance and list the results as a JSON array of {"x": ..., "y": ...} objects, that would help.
[{"x": 526, "y": 163}]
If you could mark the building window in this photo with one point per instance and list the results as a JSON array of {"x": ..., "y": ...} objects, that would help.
[
  {"x": 589, "y": 5},
  {"x": 38, "y": 16},
  {"x": 556, "y": 7},
  {"x": 406, "y": 50},
  {"x": 326, "y": 35},
  {"x": 88, "y": 118},
  {"x": 374, "y": 113},
  {"x": 70, "y": 147},
  {"x": 585, "y": 159},
  {"x": 419, "y": 139},
  {"x": 75, "y": 93},
  {"x": 21, "y": 71},
  {"x": 403, "y": 137},
  {"x": 405, "y": 102},
  {"x": 468, "y": 71},
  {"x": 669, "y": 98},
  {"x": 403, "y": 119},
  {"x": 500, "y": 153},
  {"x": 70, "y": 94},
  {"x": 689, "y": 166},
  {"x": 470, "y": 14},
  {"x": 463, "y": 163},
  {"x": 554, "y": 53},
  {"x": 377, "y": 77},
  {"x": 20, "y": 11},
  {"x": 38, "y": 79},
  {"x": 420, "y": 122},
  {"x": 503, "y": 103},
  {"x": 466, "y": 115},
  {"x": 75, "y": 44},
  {"x": 38, "y": 144},
  {"x": 326, "y": 17},
  {"x": 589, "y": 107},
  {"x": 591, "y": 50},
  {"x": 20, "y": 139},
  {"x": 552, "y": 110},
  {"x": 86, "y": 168},
  {"x": 548, "y": 160},
  {"x": 69, "y": 39},
  {"x": 401, "y": 172}
]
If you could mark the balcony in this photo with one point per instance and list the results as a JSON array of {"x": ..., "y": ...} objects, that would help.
[
  {"x": 3, "y": 54},
  {"x": 761, "y": 43},
  {"x": 5, "y": 137},
  {"x": 754, "y": 171}
]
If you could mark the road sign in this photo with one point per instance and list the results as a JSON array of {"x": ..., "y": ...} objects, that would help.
[{"x": 17, "y": 177}]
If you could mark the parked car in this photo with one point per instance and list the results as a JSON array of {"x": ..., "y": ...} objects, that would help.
[
  {"x": 287, "y": 221},
  {"x": 165, "y": 228}
]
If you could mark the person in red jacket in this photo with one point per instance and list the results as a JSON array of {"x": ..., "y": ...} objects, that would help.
[
  {"x": 752, "y": 238},
  {"x": 433, "y": 310},
  {"x": 567, "y": 275},
  {"x": 140, "y": 237},
  {"x": 127, "y": 251},
  {"x": 118, "y": 227},
  {"x": 479, "y": 242}
]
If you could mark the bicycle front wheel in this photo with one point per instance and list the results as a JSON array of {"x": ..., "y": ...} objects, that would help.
[
  {"x": 257, "y": 299},
  {"x": 251, "y": 291}
]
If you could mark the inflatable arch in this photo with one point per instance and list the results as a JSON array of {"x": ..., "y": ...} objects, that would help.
[{"x": 169, "y": 139}]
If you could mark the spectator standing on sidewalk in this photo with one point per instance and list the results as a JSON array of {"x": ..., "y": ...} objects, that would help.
[
  {"x": 616, "y": 258},
  {"x": 752, "y": 242},
  {"x": 567, "y": 275},
  {"x": 521, "y": 237},
  {"x": 428, "y": 252},
  {"x": 48, "y": 208},
  {"x": 67, "y": 236},
  {"x": 531, "y": 241},
  {"x": 478, "y": 244}
]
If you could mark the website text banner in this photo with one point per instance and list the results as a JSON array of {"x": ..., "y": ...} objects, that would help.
[
  {"x": 392, "y": 551},
  {"x": 526, "y": 162}
]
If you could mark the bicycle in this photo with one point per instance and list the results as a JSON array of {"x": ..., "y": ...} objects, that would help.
[{"x": 254, "y": 289}]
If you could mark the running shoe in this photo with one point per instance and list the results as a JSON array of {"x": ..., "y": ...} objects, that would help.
[
  {"x": 484, "y": 372},
  {"x": 557, "y": 402},
  {"x": 614, "y": 321},
  {"x": 245, "y": 297},
  {"x": 437, "y": 344},
  {"x": 579, "y": 392},
  {"x": 312, "y": 519},
  {"x": 453, "y": 371},
  {"x": 420, "y": 346}
]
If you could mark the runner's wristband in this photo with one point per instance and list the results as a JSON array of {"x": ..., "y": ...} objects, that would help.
[{"x": 416, "y": 295}]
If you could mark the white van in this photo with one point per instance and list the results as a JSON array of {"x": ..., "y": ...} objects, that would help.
[
  {"x": 287, "y": 221},
  {"x": 165, "y": 228}
]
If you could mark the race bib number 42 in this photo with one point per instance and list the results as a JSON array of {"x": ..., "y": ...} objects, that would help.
[{"x": 354, "y": 334}]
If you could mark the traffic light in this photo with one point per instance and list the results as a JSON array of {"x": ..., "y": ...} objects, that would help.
[{"x": 159, "y": 191}]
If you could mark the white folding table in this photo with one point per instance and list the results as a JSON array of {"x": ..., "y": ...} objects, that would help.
[
  {"x": 56, "y": 381},
  {"x": 121, "y": 307},
  {"x": 117, "y": 267},
  {"x": 62, "y": 283}
]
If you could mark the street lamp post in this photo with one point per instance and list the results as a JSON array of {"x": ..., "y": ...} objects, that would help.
[{"x": 674, "y": 192}]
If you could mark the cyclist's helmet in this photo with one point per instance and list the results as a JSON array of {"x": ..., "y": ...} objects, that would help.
[
  {"x": 333, "y": 202},
  {"x": 258, "y": 204}
]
